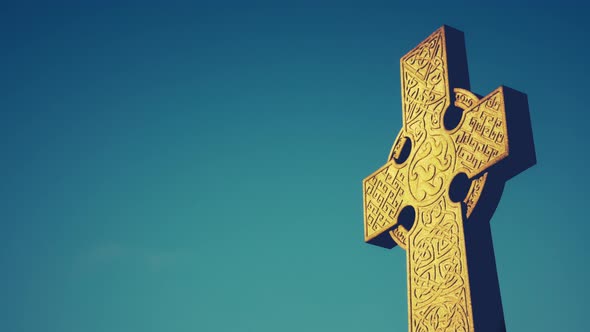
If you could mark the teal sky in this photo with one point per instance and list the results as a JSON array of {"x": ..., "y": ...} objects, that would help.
[{"x": 199, "y": 168}]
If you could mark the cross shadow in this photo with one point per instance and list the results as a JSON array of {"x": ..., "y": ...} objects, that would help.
[
  {"x": 486, "y": 300},
  {"x": 487, "y": 308}
]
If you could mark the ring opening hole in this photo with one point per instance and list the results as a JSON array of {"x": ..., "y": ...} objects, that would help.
[
  {"x": 405, "y": 152},
  {"x": 406, "y": 217},
  {"x": 459, "y": 187},
  {"x": 452, "y": 117}
]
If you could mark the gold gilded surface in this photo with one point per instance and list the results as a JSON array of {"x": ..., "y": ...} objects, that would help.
[{"x": 438, "y": 278}]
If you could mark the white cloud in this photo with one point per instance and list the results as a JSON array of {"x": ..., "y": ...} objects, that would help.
[{"x": 152, "y": 258}]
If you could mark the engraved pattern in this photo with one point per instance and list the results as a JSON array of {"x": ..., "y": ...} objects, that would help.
[
  {"x": 475, "y": 193},
  {"x": 481, "y": 137},
  {"x": 465, "y": 100},
  {"x": 438, "y": 280},
  {"x": 424, "y": 86},
  {"x": 383, "y": 196},
  {"x": 428, "y": 169},
  {"x": 437, "y": 266}
]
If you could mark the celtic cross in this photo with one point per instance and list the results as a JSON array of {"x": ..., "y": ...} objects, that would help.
[{"x": 453, "y": 145}]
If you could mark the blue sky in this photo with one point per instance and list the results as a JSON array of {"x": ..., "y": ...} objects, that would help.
[{"x": 199, "y": 168}]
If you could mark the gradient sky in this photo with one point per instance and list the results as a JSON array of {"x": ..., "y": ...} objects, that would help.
[{"x": 199, "y": 168}]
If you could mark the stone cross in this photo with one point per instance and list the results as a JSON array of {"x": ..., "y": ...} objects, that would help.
[{"x": 453, "y": 145}]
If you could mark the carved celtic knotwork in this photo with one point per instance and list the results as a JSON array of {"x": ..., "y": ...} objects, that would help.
[
  {"x": 433, "y": 159},
  {"x": 437, "y": 267}
]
